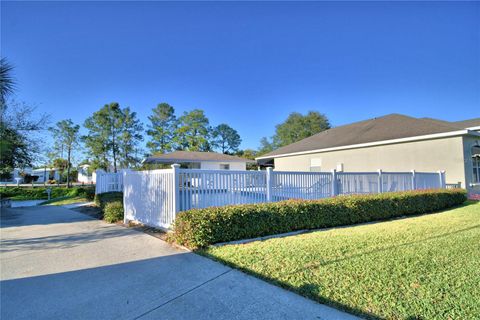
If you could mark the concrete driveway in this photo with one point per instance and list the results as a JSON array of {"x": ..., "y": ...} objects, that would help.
[{"x": 60, "y": 264}]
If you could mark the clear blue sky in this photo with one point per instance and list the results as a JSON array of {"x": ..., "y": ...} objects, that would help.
[{"x": 247, "y": 64}]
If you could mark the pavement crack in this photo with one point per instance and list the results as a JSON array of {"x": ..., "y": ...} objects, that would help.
[{"x": 183, "y": 294}]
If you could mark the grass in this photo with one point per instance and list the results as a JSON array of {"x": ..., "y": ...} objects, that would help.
[
  {"x": 425, "y": 267},
  {"x": 60, "y": 201}
]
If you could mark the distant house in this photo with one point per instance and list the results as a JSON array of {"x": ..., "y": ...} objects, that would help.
[
  {"x": 392, "y": 143},
  {"x": 200, "y": 160},
  {"x": 84, "y": 174},
  {"x": 43, "y": 174}
]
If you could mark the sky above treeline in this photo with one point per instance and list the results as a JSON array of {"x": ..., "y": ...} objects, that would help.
[{"x": 247, "y": 64}]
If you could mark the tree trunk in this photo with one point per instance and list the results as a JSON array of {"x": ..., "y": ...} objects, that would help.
[
  {"x": 45, "y": 175},
  {"x": 68, "y": 166},
  {"x": 114, "y": 154}
]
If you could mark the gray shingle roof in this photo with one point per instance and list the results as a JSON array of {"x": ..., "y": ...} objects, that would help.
[
  {"x": 392, "y": 126},
  {"x": 193, "y": 156},
  {"x": 469, "y": 123}
]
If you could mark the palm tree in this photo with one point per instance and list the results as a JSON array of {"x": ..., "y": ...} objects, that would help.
[{"x": 7, "y": 83}]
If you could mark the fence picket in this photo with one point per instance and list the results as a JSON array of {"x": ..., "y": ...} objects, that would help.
[{"x": 154, "y": 197}]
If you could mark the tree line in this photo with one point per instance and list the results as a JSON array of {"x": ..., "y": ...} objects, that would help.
[{"x": 114, "y": 134}]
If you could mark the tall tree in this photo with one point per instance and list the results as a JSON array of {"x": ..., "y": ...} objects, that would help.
[
  {"x": 298, "y": 127},
  {"x": 113, "y": 134},
  {"x": 131, "y": 135},
  {"x": 7, "y": 82},
  {"x": 193, "y": 132},
  {"x": 265, "y": 146},
  {"x": 295, "y": 128},
  {"x": 251, "y": 155},
  {"x": 105, "y": 127},
  {"x": 66, "y": 134},
  {"x": 161, "y": 128},
  {"x": 18, "y": 126},
  {"x": 226, "y": 138}
]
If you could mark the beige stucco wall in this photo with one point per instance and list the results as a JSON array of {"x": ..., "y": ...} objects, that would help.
[{"x": 429, "y": 155}]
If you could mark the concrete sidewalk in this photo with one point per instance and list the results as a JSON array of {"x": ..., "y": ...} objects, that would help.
[{"x": 60, "y": 264}]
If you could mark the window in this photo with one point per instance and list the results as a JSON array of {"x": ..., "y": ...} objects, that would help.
[
  {"x": 316, "y": 164},
  {"x": 190, "y": 165},
  {"x": 224, "y": 166},
  {"x": 476, "y": 163},
  {"x": 476, "y": 169}
]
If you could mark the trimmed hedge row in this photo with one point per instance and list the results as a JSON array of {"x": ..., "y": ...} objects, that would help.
[
  {"x": 201, "y": 227},
  {"x": 40, "y": 193}
]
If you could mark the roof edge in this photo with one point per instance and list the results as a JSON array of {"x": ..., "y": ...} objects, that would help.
[
  {"x": 379, "y": 143},
  {"x": 186, "y": 160}
]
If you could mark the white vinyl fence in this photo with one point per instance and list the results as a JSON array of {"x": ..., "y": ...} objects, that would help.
[
  {"x": 149, "y": 197},
  {"x": 108, "y": 182},
  {"x": 155, "y": 197}
]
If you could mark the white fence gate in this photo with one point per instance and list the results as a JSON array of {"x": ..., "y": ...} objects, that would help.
[
  {"x": 154, "y": 197},
  {"x": 108, "y": 182},
  {"x": 149, "y": 197}
]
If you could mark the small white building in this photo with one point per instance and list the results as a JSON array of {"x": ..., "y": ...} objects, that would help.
[
  {"x": 84, "y": 174},
  {"x": 200, "y": 160},
  {"x": 43, "y": 174}
]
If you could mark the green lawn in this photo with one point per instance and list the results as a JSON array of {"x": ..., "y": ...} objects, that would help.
[
  {"x": 426, "y": 267},
  {"x": 65, "y": 200}
]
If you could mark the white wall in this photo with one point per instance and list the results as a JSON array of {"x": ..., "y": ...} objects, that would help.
[
  {"x": 83, "y": 175},
  {"x": 214, "y": 165}
]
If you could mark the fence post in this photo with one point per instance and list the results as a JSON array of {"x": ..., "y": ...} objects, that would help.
[
  {"x": 269, "y": 178},
  {"x": 380, "y": 181},
  {"x": 413, "y": 180},
  {"x": 125, "y": 220},
  {"x": 441, "y": 177},
  {"x": 97, "y": 180},
  {"x": 176, "y": 188},
  {"x": 334, "y": 183}
]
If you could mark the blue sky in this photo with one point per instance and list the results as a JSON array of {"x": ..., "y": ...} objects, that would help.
[{"x": 247, "y": 64}]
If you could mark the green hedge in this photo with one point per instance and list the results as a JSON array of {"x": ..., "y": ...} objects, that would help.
[
  {"x": 102, "y": 199},
  {"x": 40, "y": 193},
  {"x": 201, "y": 227},
  {"x": 113, "y": 211}
]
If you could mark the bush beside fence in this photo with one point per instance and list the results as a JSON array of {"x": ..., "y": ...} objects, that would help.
[
  {"x": 102, "y": 199},
  {"x": 113, "y": 212},
  {"x": 201, "y": 227}
]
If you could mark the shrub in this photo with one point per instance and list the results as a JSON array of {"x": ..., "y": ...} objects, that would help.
[
  {"x": 103, "y": 198},
  {"x": 39, "y": 193},
  {"x": 113, "y": 212},
  {"x": 87, "y": 192},
  {"x": 201, "y": 227}
]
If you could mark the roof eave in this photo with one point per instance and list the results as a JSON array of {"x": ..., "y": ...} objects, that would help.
[
  {"x": 379, "y": 143},
  {"x": 147, "y": 160}
]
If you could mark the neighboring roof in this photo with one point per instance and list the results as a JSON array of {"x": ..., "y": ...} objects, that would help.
[
  {"x": 193, "y": 156},
  {"x": 43, "y": 169},
  {"x": 389, "y": 127}
]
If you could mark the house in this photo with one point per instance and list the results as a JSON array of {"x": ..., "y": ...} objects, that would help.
[
  {"x": 200, "y": 160},
  {"x": 39, "y": 175},
  {"x": 84, "y": 174},
  {"x": 393, "y": 142},
  {"x": 45, "y": 174}
]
